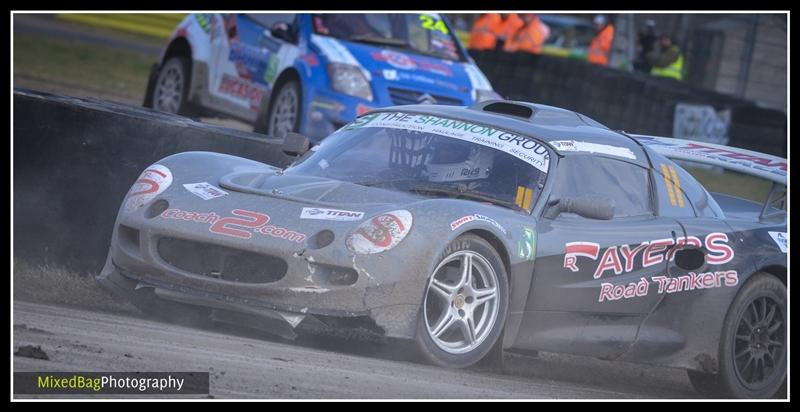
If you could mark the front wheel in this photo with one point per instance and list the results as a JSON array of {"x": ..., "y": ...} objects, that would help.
[
  {"x": 753, "y": 344},
  {"x": 171, "y": 87},
  {"x": 465, "y": 304}
]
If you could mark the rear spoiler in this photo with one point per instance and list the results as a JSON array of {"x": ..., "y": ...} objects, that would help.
[{"x": 768, "y": 167}]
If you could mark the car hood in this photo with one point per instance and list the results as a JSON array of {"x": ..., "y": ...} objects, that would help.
[
  {"x": 403, "y": 68},
  {"x": 312, "y": 190}
]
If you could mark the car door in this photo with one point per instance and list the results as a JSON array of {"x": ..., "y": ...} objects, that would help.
[
  {"x": 592, "y": 281},
  {"x": 243, "y": 62},
  {"x": 680, "y": 196}
]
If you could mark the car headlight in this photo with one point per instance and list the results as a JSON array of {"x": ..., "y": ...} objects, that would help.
[
  {"x": 349, "y": 79},
  {"x": 151, "y": 183},
  {"x": 380, "y": 233},
  {"x": 484, "y": 94}
]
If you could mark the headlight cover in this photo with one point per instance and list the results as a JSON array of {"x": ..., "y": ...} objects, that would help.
[
  {"x": 348, "y": 79},
  {"x": 486, "y": 94},
  {"x": 380, "y": 233},
  {"x": 152, "y": 182}
]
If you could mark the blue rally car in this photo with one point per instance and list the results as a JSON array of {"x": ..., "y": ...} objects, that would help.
[{"x": 311, "y": 73}]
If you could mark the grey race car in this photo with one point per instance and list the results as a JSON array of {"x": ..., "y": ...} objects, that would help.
[{"x": 502, "y": 226}]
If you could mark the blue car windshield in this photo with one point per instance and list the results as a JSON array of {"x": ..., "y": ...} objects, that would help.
[
  {"x": 424, "y": 33},
  {"x": 432, "y": 156}
]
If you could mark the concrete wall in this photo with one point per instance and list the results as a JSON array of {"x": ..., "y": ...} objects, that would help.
[{"x": 74, "y": 160}]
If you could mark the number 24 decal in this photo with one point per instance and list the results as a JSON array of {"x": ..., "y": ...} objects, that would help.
[{"x": 430, "y": 23}]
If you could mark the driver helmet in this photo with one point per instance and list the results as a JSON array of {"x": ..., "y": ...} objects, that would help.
[{"x": 457, "y": 161}]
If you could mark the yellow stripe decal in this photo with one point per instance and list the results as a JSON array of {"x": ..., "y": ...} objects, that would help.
[
  {"x": 668, "y": 183},
  {"x": 520, "y": 193},
  {"x": 528, "y": 196},
  {"x": 677, "y": 184}
]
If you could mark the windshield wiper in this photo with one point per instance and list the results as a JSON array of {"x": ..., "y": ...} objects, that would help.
[
  {"x": 389, "y": 41},
  {"x": 452, "y": 191}
]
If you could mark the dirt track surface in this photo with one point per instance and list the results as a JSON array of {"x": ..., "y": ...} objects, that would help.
[{"x": 245, "y": 366}]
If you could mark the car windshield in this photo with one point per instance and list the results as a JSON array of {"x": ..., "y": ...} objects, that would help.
[
  {"x": 421, "y": 33},
  {"x": 432, "y": 156}
]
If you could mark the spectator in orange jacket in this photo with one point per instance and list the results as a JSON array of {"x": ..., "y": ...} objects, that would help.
[
  {"x": 485, "y": 31},
  {"x": 511, "y": 24},
  {"x": 529, "y": 38},
  {"x": 600, "y": 47}
]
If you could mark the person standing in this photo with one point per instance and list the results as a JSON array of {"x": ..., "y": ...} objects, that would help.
[
  {"x": 667, "y": 61},
  {"x": 511, "y": 24},
  {"x": 530, "y": 38},
  {"x": 600, "y": 48},
  {"x": 645, "y": 44},
  {"x": 485, "y": 31}
]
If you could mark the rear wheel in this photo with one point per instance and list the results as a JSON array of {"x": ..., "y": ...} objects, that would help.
[
  {"x": 465, "y": 303},
  {"x": 753, "y": 344}
]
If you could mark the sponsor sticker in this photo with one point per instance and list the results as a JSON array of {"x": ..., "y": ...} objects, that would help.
[
  {"x": 475, "y": 218},
  {"x": 242, "y": 89},
  {"x": 272, "y": 68},
  {"x": 748, "y": 160},
  {"x": 152, "y": 182},
  {"x": 390, "y": 74},
  {"x": 380, "y": 233},
  {"x": 461, "y": 221},
  {"x": 330, "y": 214},
  {"x": 395, "y": 59},
  {"x": 205, "y": 190},
  {"x": 620, "y": 259},
  {"x": 668, "y": 285},
  {"x": 781, "y": 239},
  {"x": 526, "y": 247},
  {"x": 523, "y": 148},
  {"x": 577, "y": 146},
  {"x": 243, "y": 224}
]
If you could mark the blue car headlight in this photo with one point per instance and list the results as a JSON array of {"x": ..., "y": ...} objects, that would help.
[{"x": 350, "y": 80}]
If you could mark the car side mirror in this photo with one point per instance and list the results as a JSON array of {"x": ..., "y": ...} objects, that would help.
[
  {"x": 690, "y": 258},
  {"x": 283, "y": 31},
  {"x": 588, "y": 206},
  {"x": 295, "y": 144}
]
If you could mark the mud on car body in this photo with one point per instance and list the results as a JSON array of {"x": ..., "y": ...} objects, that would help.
[
  {"x": 311, "y": 73},
  {"x": 502, "y": 226}
]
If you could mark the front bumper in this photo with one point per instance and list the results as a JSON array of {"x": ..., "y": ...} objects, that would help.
[{"x": 389, "y": 299}]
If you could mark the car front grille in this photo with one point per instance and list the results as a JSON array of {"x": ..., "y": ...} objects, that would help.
[
  {"x": 221, "y": 262},
  {"x": 405, "y": 96}
]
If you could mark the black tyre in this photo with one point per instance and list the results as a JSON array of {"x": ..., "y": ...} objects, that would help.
[
  {"x": 752, "y": 353},
  {"x": 171, "y": 87},
  {"x": 283, "y": 112},
  {"x": 465, "y": 303}
]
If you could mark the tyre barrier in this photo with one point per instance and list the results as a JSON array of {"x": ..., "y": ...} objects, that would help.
[
  {"x": 634, "y": 102},
  {"x": 75, "y": 159}
]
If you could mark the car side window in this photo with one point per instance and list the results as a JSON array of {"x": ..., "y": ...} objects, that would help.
[
  {"x": 679, "y": 193},
  {"x": 627, "y": 184}
]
